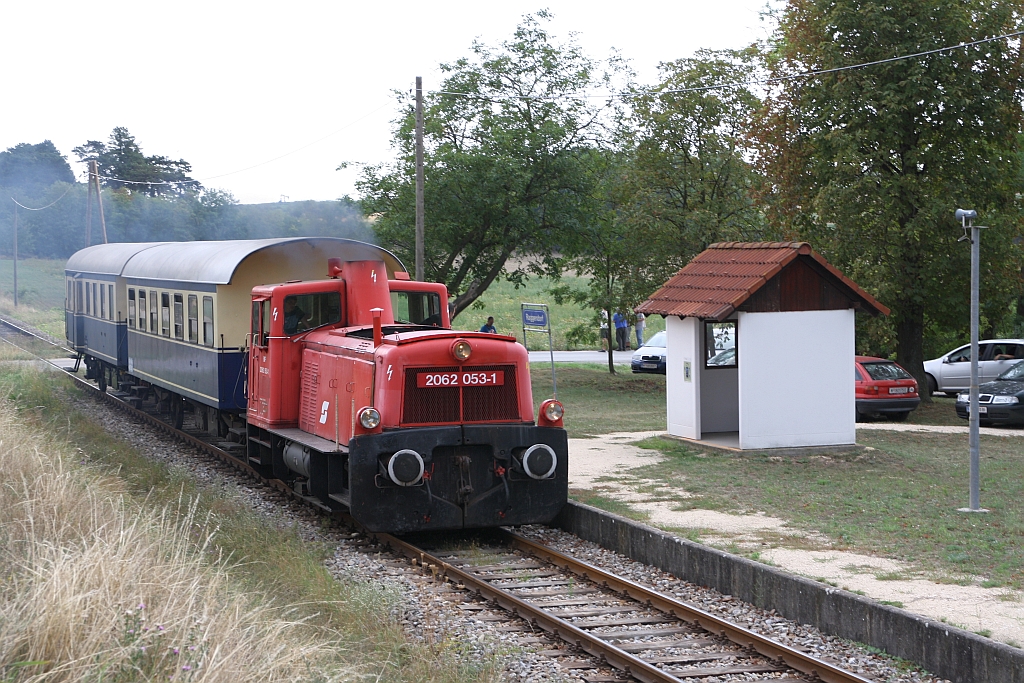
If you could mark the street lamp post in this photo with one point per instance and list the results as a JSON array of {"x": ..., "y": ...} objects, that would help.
[{"x": 966, "y": 218}]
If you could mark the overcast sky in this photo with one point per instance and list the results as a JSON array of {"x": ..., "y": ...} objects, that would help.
[{"x": 232, "y": 87}]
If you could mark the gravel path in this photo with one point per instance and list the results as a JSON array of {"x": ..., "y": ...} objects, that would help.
[{"x": 431, "y": 610}]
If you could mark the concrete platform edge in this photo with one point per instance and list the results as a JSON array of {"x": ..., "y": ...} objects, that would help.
[{"x": 944, "y": 650}]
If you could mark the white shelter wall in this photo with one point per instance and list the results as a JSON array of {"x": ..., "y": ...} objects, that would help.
[
  {"x": 682, "y": 396},
  {"x": 796, "y": 384}
]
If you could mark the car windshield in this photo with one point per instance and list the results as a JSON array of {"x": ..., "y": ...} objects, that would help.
[
  {"x": 1014, "y": 373},
  {"x": 886, "y": 371},
  {"x": 656, "y": 340}
]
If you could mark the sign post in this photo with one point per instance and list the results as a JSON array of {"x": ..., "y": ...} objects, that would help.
[{"x": 536, "y": 319}]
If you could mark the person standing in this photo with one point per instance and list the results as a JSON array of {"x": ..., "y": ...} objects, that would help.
[
  {"x": 489, "y": 326},
  {"x": 641, "y": 325},
  {"x": 621, "y": 331}
]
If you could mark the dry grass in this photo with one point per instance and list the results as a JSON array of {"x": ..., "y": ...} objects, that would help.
[{"x": 95, "y": 588}]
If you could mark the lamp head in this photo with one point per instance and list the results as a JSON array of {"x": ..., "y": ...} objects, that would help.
[{"x": 966, "y": 214}]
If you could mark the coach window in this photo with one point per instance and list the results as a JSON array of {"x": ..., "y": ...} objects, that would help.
[
  {"x": 179, "y": 318},
  {"x": 80, "y": 307},
  {"x": 103, "y": 302},
  {"x": 193, "y": 318},
  {"x": 131, "y": 308},
  {"x": 110, "y": 301},
  {"x": 208, "y": 321},
  {"x": 69, "y": 303},
  {"x": 142, "y": 310},
  {"x": 153, "y": 312},
  {"x": 165, "y": 314},
  {"x": 95, "y": 289}
]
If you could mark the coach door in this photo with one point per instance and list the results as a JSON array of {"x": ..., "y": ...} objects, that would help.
[{"x": 259, "y": 361}]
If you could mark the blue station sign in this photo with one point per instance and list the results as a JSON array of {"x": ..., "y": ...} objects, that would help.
[{"x": 535, "y": 317}]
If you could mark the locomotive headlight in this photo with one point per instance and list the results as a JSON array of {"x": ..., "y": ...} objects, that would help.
[
  {"x": 461, "y": 350},
  {"x": 369, "y": 418},
  {"x": 405, "y": 467},
  {"x": 540, "y": 461},
  {"x": 553, "y": 411}
]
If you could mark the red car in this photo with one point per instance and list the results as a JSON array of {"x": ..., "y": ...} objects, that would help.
[{"x": 884, "y": 388}]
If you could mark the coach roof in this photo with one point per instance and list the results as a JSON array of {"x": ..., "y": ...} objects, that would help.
[{"x": 216, "y": 262}]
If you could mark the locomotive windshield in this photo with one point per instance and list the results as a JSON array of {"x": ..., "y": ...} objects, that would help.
[
  {"x": 416, "y": 308},
  {"x": 304, "y": 312}
]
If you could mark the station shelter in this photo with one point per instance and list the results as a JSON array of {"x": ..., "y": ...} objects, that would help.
[{"x": 760, "y": 349}]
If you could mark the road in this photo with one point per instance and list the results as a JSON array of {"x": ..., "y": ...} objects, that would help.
[{"x": 621, "y": 357}]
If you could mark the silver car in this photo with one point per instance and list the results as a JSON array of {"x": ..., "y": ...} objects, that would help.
[{"x": 951, "y": 372}]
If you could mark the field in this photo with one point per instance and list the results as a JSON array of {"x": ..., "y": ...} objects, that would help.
[{"x": 40, "y": 293}]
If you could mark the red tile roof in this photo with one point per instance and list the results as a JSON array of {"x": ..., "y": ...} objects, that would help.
[{"x": 719, "y": 279}]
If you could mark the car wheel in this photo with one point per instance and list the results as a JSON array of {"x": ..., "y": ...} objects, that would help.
[
  {"x": 899, "y": 417},
  {"x": 933, "y": 386}
]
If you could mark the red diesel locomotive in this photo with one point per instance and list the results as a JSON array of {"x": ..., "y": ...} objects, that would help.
[
  {"x": 353, "y": 390},
  {"x": 407, "y": 426}
]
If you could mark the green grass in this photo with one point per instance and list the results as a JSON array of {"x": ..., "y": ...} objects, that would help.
[
  {"x": 597, "y": 402},
  {"x": 899, "y": 500},
  {"x": 41, "y": 292},
  {"x": 264, "y": 557},
  {"x": 502, "y": 300}
]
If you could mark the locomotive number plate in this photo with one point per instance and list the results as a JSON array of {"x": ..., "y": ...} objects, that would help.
[{"x": 460, "y": 379}]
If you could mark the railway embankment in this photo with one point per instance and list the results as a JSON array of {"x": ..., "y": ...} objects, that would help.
[{"x": 945, "y": 650}]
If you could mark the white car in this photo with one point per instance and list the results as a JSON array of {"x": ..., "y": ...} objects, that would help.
[
  {"x": 951, "y": 372},
  {"x": 651, "y": 356}
]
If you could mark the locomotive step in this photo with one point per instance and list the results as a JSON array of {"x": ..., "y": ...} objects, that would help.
[
  {"x": 261, "y": 442},
  {"x": 342, "y": 498}
]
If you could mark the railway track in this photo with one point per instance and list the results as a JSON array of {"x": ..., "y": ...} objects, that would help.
[{"x": 611, "y": 628}]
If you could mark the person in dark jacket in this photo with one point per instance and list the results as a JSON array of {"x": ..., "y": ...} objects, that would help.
[{"x": 489, "y": 326}]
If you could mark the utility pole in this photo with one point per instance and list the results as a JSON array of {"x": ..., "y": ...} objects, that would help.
[
  {"x": 974, "y": 440},
  {"x": 94, "y": 181},
  {"x": 15, "y": 255},
  {"x": 419, "y": 178}
]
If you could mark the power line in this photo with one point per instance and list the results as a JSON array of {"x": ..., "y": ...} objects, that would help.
[
  {"x": 740, "y": 84},
  {"x": 28, "y": 208}
]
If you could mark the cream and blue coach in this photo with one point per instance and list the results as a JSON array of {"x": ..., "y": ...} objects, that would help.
[{"x": 176, "y": 314}]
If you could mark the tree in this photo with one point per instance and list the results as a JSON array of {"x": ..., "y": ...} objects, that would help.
[
  {"x": 124, "y": 167},
  {"x": 870, "y": 163},
  {"x": 30, "y": 170},
  {"x": 689, "y": 179},
  {"x": 507, "y": 139}
]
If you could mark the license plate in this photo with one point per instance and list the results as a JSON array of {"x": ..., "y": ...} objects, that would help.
[
  {"x": 650, "y": 366},
  {"x": 899, "y": 390},
  {"x": 982, "y": 410},
  {"x": 463, "y": 378}
]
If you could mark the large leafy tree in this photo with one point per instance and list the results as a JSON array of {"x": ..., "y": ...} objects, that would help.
[
  {"x": 30, "y": 170},
  {"x": 870, "y": 163},
  {"x": 123, "y": 165},
  {"x": 689, "y": 177},
  {"x": 508, "y": 138}
]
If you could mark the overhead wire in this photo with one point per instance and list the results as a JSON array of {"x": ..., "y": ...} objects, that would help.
[
  {"x": 744, "y": 83},
  {"x": 29, "y": 208},
  {"x": 248, "y": 168}
]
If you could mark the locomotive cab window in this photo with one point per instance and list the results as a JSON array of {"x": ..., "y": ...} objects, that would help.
[
  {"x": 261, "y": 322},
  {"x": 193, "y": 318},
  {"x": 720, "y": 344},
  {"x": 131, "y": 308},
  {"x": 207, "y": 321},
  {"x": 417, "y": 308},
  {"x": 304, "y": 312}
]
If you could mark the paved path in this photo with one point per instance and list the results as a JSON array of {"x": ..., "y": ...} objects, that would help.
[{"x": 941, "y": 429}]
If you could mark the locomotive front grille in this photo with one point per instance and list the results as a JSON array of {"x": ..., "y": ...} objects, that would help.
[{"x": 438, "y": 405}]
